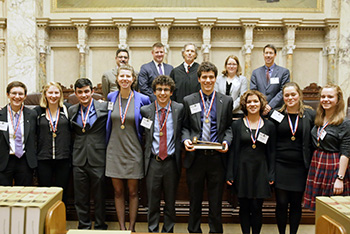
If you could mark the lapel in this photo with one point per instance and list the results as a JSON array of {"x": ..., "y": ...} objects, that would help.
[
  {"x": 26, "y": 124},
  {"x": 152, "y": 110},
  {"x": 154, "y": 69},
  {"x": 273, "y": 74},
  {"x": 263, "y": 78},
  {"x": 197, "y": 116},
  {"x": 175, "y": 114},
  {"x": 219, "y": 108},
  {"x": 97, "y": 108},
  {"x": 3, "y": 117}
]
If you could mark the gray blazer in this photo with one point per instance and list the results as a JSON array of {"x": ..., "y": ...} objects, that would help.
[
  {"x": 108, "y": 82},
  {"x": 91, "y": 145},
  {"x": 148, "y": 112},
  {"x": 147, "y": 74},
  {"x": 238, "y": 87},
  {"x": 273, "y": 92}
]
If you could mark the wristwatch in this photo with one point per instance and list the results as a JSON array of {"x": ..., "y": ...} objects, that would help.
[{"x": 340, "y": 177}]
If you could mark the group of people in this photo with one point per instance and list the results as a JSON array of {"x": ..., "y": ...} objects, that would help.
[{"x": 268, "y": 140}]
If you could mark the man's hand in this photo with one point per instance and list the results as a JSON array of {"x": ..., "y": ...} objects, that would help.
[
  {"x": 188, "y": 145},
  {"x": 267, "y": 109},
  {"x": 225, "y": 149}
]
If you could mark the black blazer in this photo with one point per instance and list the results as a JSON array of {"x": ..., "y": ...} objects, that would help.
[
  {"x": 29, "y": 138},
  {"x": 148, "y": 112},
  {"x": 192, "y": 126}
]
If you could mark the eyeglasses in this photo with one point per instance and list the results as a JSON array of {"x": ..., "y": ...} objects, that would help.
[
  {"x": 165, "y": 90},
  {"x": 17, "y": 93},
  {"x": 123, "y": 57}
]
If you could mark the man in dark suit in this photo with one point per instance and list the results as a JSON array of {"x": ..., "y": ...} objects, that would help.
[
  {"x": 151, "y": 70},
  {"x": 162, "y": 121},
  {"x": 208, "y": 117},
  {"x": 88, "y": 119},
  {"x": 17, "y": 138},
  {"x": 185, "y": 75},
  {"x": 269, "y": 79}
]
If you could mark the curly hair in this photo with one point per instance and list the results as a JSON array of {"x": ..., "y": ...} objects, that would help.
[{"x": 244, "y": 97}]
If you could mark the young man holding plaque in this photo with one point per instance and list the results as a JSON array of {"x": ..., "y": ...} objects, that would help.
[
  {"x": 162, "y": 121},
  {"x": 208, "y": 117},
  {"x": 88, "y": 120}
]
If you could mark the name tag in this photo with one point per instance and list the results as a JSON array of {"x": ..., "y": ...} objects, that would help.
[
  {"x": 195, "y": 108},
  {"x": 274, "y": 80},
  {"x": 263, "y": 138},
  {"x": 323, "y": 134},
  {"x": 277, "y": 116},
  {"x": 110, "y": 106},
  {"x": 146, "y": 123},
  {"x": 3, "y": 126}
]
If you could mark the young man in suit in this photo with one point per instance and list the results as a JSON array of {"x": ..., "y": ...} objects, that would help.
[
  {"x": 162, "y": 121},
  {"x": 208, "y": 117},
  {"x": 109, "y": 77},
  {"x": 185, "y": 75},
  {"x": 17, "y": 138},
  {"x": 151, "y": 70},
  {"x": 88, "y": 120},
  {"x": 270, "y": 78}
]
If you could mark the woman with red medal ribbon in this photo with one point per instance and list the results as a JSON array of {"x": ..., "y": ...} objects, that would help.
[
  {"x": 124, "y": 162},
  {"x": 54, "y": 139},
  {"x": 251, "y": 162},
  {"x": 329, "y": 173},
  {"x": 293, "y": 122}
]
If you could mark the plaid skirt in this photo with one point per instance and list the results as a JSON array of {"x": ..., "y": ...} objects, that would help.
[{"x": 322, "y": 175}]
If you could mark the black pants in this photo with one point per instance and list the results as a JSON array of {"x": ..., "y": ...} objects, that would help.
[
  {"x": 283, "y": 199},
  {"x": 54, "y": 172},
  {"x": 18, "y": 170},
  {"x": 250, "y": 214}
]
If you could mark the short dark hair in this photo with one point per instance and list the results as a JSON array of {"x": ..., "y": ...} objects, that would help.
[
  {"x": 271, "y": 47},
  {"x": 157, "y": 45},
  {"x": 133, "y": 74},
  {"x": 244, "y": 97},
  {"x": 82, "y": 82},
  {"x": 207, "y": 67},
  {"x": 16, "y": 84},
  {"x": 122, "y": 50},
  {"x": 163, "y": 80}
]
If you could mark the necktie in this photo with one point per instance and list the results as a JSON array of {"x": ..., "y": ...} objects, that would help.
[
  {"x": 268, "y": 75},
  {"x": 18, "y": 139},
  {"x": 160, "y": 69},
  {"x": 206, "y": 124},
  {"x": 188, "y": 68},
  {"x": 163, "y": 149}
]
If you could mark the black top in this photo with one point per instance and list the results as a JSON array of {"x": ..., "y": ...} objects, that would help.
[
  {"x": 62, "y": 148},
  {"x": 228, "y": 88},
  {"x": 336, "y": 140}
]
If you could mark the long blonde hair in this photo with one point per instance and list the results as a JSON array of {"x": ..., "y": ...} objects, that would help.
[
  {"x": 300, "y": 92},
  {"x": 43, "y": 101},
  {"x": 338, "y": 114}
]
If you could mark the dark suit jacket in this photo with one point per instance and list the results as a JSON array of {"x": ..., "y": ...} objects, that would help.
[
  {"x": 147, "y": 74},
  {"x": 273, "y": 92},
  {"x": 91, "y": 145},
  {"x": 192, "y": 125},
  {"x": 185, "y": 83},
  {"x": 29, "y": 138},
  {"x": 177, "y": 114},
  {"x": 139, "y": 100}
]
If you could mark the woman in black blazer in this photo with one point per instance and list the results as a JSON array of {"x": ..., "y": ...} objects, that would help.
[{"x": 293, "y": 122}]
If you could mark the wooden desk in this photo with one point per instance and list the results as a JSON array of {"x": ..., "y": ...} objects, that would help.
[{"x": 81, "y": 231}]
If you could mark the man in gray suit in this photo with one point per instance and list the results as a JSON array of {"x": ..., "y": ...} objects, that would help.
[
  {"x": 151, "y": 70},
  {"x": 88, "y": 120},
  {"x": 109, "y": 77},
  {"x": 270, "y": 78},
  {"x": 162, "y": 121}
]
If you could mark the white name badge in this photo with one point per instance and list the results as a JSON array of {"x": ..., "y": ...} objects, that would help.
[
  {"x": 195, "y": 108},
  {"x": 263, "y": 138},
  {"x": 323, "y": 134},
  {"x": 274, "y": 80},
  {"x": 146, "y": 123},
  {"x": 277, "y": 116},
  {"x": 110, "y": 106},
  {"x": 3, "y": 126}
]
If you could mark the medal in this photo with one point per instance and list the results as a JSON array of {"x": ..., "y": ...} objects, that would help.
[
  {"x": 318, "y": 144},
  {"x": 294, "y": 128},
  {"x": 207, "y": 112},
  {"x": 83, "y": 130},
  {"x": 160, "y": 133},
  {"x": 161, "y": 125},
  {"x": 53, "y": 125},
  {"x": 254, "y": 138},
  {"x": 84, "y": 118},
  {"x": 15, "y": 126},
  {"x": 121, "y": 113}
]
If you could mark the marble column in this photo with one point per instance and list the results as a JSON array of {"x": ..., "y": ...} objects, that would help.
[
  {"x": 248, "y": 25},
  {"x": 43, "y": 47},
  {"x": 123, "y": 25},
  {"x": 22, "y": 48},
  {"x": 206, "y": 25},
  {"x": 290, "y": 26},
  {"x": 3, "y": 77},
  {"x": 82, "y": 26},
  {"x": 164, "y": 24},
  {"x": 331, "y": 44}
]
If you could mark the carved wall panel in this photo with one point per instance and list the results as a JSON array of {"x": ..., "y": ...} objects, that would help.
[
  {"x": 103, "y": 36},
  {"x": 310, "y": 37}
]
